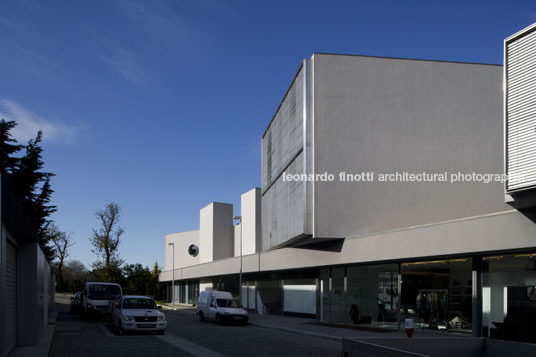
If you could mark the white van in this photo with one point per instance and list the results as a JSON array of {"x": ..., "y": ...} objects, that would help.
[
  {"x": 220, "y": 306},
  {"x": 97, "y": 297}
]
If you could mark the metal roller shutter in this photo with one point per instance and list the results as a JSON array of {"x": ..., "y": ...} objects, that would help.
[
  {"x": 11, "y": 297},
  {"x": 521, "y": 111}
]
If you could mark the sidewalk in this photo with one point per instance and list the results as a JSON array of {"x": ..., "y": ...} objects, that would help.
[{"x": 310, "y": 327}]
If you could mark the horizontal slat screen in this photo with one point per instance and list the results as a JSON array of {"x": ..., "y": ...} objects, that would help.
[{"x": 521, "y": 112}]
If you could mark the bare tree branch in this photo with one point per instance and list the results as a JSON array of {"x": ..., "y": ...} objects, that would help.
[{"x": 107, "y": 238}]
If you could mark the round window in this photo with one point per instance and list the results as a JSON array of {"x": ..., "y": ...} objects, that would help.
[{"x": 193, "y": 250}]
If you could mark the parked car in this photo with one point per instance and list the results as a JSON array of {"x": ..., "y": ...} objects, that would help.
[
  {"x": 76, "y": 302},
  {"x": 138, "y": 313},
  {"x": 221, "y": 307},
  {"x": 97, "y": 298}
]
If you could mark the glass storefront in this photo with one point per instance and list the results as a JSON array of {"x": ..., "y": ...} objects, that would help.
[
  {"x": 509, "y": 297},
  {"x": 373, "y": 294},
  {"x": 360, "y": 295},
  {"x": 437, "y": 295},
  {"x": 186, "y": 292}
]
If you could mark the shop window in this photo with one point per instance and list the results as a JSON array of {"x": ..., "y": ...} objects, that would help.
[
  {"x": 372, "y": 297},
  {"x": 438, "y": 294},
  {"x": 509, "y": 297}
]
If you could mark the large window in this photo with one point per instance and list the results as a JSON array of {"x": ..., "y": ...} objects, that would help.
[
  {"x": 360, "y": 295},
  {"x": 186, "y": 292},
  {"x": 373, "y": 294},
  {"x": 509, "y": 297},
  {"x": 438, "y": 294}
]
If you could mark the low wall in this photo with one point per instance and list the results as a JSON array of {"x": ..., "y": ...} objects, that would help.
[{"x": 435, "y": 347}]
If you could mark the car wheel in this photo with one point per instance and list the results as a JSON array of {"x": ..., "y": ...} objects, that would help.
[
  {"x": 218, "y": 320},
  {"x": 201, "y": 316},
  {"x": 163, "y": 332}
]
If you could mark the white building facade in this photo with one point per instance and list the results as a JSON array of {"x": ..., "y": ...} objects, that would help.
[{"x": 382, "y": 199}]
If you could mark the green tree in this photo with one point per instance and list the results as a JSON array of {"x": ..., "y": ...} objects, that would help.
[
  {"x": 137, "y": 279},
  {"x": 105, "y": 241},
  {"x": 8, "y": 147},
  {"x": 30, "y": 184},
  {"x": 154, "y": 288}
]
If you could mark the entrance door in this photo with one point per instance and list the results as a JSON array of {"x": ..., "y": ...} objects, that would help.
[{"x": 338, "y": 308}]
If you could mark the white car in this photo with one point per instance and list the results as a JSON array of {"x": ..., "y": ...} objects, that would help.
[
  {"x": 138, "y": 313},
  {"x": 98, "y": 296},
  {"x": 221, "y": 307}
]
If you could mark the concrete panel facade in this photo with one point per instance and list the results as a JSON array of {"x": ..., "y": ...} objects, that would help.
[
  {"x": 386, "y": 115},
  {"x": 499, "y": 232}
]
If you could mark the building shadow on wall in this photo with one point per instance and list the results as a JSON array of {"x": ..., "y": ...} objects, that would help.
[{"x": 327, "y": 245}]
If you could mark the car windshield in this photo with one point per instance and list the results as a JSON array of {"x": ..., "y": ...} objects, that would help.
[
  {"x": 227, "y": 303},
  {"x": 103, "y": 292},
  {"x": 138, "y": 303}
]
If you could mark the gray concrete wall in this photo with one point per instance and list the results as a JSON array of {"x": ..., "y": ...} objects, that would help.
[
  {"x": 223, "y": 230},
  {"x": 488, "y": 233},
  {"x": 3, "y": 248},
  {"x": 417, "y": 346},
  {"x": 33, "y": 273},
  {"x": 394, "y": 115},
  {"x": 429, "y": 345},
  {"x": 181, "y": 243}
]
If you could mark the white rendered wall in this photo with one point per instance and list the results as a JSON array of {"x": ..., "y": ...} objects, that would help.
[
  {"x": 251, "y": 221},
  {"x": 237, "y": 240},
  {"x": 181, "y": 242},
  {"x": 216, "y": 235},
  {"x": 205, "y": 234}
]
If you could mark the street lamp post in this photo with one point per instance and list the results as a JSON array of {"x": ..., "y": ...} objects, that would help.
[
  {"x": 173, "y": 281},
  {"x": 239, "y": 218}
]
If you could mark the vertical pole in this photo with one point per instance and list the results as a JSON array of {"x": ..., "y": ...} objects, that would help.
[
  {"x": 477, "y": 297},
  {"x": 173, "y": 281},
  {"x": 399, "y": 299},
  {"x": 240, "y": 276}
]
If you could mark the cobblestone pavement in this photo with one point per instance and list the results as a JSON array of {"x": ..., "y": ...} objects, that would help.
[
  {"x": 185, "y": 336},
  {"x": 76, "y": 337}
]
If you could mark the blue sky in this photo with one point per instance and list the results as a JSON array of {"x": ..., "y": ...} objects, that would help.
[{"x": 160, "y": 105}]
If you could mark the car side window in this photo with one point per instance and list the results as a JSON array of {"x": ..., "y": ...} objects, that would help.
[{"x": 213, "y": 303}]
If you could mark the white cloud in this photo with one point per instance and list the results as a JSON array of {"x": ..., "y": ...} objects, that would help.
[
  {"x": 29, "y": 123},
  {"x": 126, "y": 63},
  {"x": 159, "y": 21}
]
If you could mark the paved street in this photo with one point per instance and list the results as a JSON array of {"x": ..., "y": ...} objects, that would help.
[
  {"x": 76, "y": 337},
  {"x": 185, "y": 336},
  {"x": 246, "y": 340}
]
